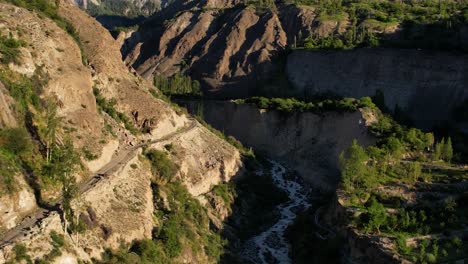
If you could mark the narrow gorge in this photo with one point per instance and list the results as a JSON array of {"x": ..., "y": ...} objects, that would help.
[{"x": 233, "y": 131}]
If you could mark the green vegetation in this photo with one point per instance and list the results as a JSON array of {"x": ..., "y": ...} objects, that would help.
[
  {"x": 88, "y": 155},
  {"x": 21, "y": 254},
  {"x": 178, "y": 84},
  {"x": 405, "y": 160},
  {"x": 9, "y": 50},
  {"x": 108, "y": 106},
  {"x": 295, "y": 105},
  {"x": 17, "y": 151},
  {"x": 25, "y": 91},
  {"x": 226, "y": 191},
  {"x": 15, "y": 145},
  {"x": 161, "y": 164},
  {"x": 183, "y": 225},
  {"x": 33, "y": 148},
  {"x": 58, "y": 241},
  {"x": 425, "y": 24}
]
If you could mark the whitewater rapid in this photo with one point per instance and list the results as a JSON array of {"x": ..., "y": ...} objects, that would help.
[{"x": 271, "y": 246}]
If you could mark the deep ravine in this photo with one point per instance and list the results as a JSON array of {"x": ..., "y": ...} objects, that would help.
[{"x": 271, "y": 246}]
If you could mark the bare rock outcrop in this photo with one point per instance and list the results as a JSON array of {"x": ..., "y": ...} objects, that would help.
[
  {"x": 7, "y": 116},
  {"x": 17, "y": 204}
]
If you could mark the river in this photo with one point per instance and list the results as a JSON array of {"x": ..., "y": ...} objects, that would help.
[{"x": 271, "y": 246}]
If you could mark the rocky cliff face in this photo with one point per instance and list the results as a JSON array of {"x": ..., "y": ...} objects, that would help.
[
  {"x": 227, "y": 46},
  {"x": 309, "y": 142},
  {"x": 117, "y": 208},
  {"x": 426, "y": 85}
]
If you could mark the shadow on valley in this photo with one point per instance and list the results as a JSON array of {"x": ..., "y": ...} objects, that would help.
[
  {"x": 111, "y": 22},
  {"x": 259, "y": 231}
]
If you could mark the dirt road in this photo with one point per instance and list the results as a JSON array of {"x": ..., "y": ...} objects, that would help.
[{"x": 120, "y": 159}]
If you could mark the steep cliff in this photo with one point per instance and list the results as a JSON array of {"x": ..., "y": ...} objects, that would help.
[
  {"x": 424, "y": 84},
  {"x": 310, "y": 143}
]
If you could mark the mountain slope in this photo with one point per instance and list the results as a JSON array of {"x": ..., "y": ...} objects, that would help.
[
  {"x": 234, "y": 48},
  {"x": 109, "y": 115}
]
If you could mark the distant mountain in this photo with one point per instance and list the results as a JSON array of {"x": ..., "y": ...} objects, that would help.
[{"x": 127, "y": 8}]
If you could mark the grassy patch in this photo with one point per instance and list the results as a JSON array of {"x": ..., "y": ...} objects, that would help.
[
  {"x": 161, "y": 164},
  {"x": 108, "y": 106},
  {"x": 9, "y": 50}
]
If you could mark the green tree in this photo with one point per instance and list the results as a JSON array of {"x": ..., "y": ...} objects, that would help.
[
  {"x": 394, "y": 147},
  {"x": 438, "y": 150},
  {"x": 64, "y": 163},
  {"x": 50, "y": 126},
  {"x": 429, "y": 140},
  {"x": 353, "y": 165},
  {"x": 414, "y": 171},
  {"x": 376, "y": 215},
  {"x": 447, "y": 150}
]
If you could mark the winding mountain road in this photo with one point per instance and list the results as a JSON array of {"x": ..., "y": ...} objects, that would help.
[{"x": 120, "y": 159}]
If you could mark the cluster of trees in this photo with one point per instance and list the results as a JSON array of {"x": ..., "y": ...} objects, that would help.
[
  {"x": 430, "y": 251},
  {"x": 418, "y": 220},
  {"x": 440, "y": 20},
  {"x": 177, "y": 84},
  {"x": 15, "y": 145},
  {"x": 295, "y": 105},
  {"x": 364, "y": 168},
  {"x": 443, "y": 150}
]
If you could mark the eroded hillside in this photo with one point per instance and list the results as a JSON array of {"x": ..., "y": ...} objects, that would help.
[
  {"x": 234, "y": 48},
  {"x": 105, "y": 116}
]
